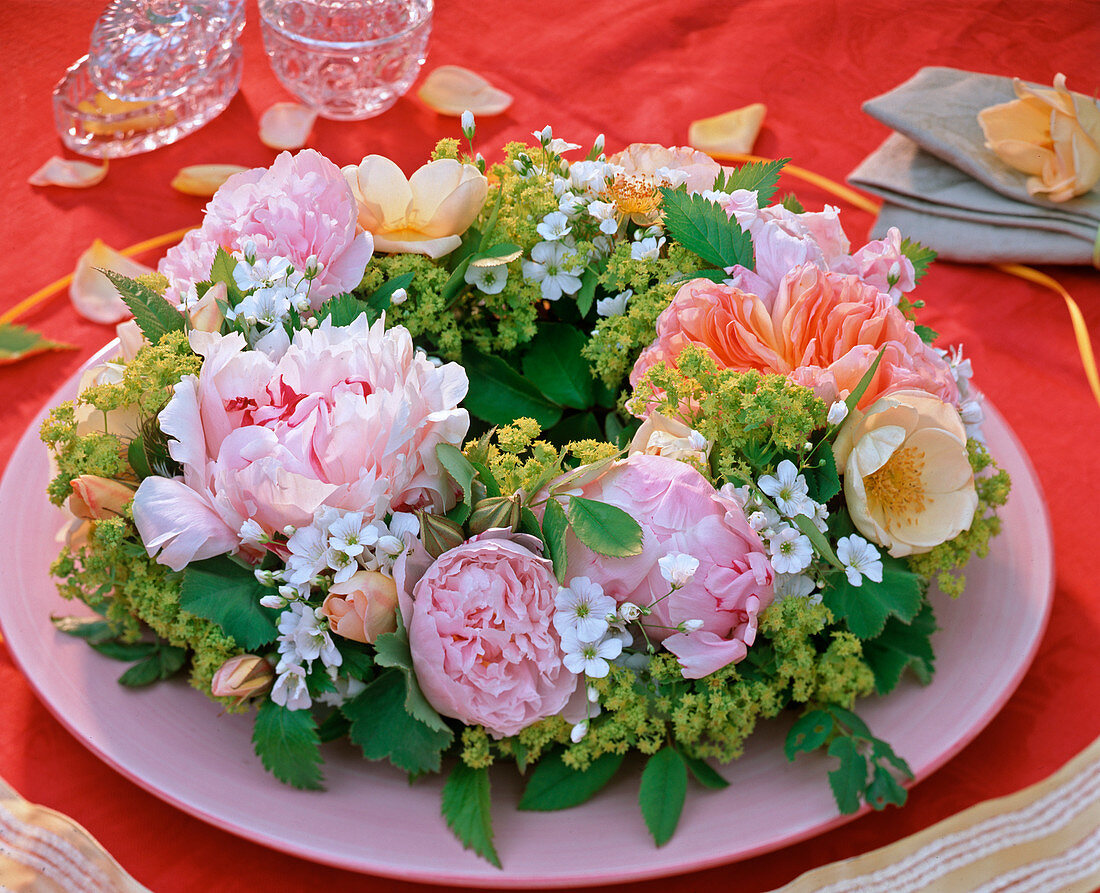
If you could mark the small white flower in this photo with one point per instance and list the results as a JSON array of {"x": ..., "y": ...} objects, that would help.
[
  {"x": 290, "y": 689},
  {"x": 259, "y": 273},
  {"x": 558, "y": 146},
  {"x": 670, "y": 176},
  {"x": 554, "y": 226},
  {"x": 252, "y": 534},
  {"x": 467, "y": 124},
  {"x": 647, "y": 249},
  {"x": 582, "y": 609},
  {"x": 399, "y": 297},
  {"x": 791, "y": 551},
  {"x": 404, "y": 525},
  {"x": 592, "y": 694},
  {"x": 615, "y": 306},
  {"x": 346, "y": 689},
  {"x": 589, "y": 658},
  {"x": 349, "y": 535},
  {"x": 607, "y": 214},
  {"x": 838, "y": 412},
  {"x": 788, "y": 488},
  {"x": 578, "y": 731},
  {"x": 765, "y": 519},
  {"x": 273, "y": 601},
  {"x": 792, "y": 586},
  {"x": 629, "y": 612},
  {"x": 551, "y": 266},
  {"x": 543, "y": 136},
  {"x": 568, "y": 203},
  {"x": 487, "y": 280},
  {"x": 690, "y": 626},
  {"x": 860, "y": 559},
  {"x": 678, "y": 568}
]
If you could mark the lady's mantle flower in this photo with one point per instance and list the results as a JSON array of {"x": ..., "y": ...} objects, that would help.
[
  {"x": 860, "y": 559},
  {"x": 551, "y": 266}
]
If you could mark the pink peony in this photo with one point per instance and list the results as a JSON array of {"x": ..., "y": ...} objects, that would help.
[
  {"x": 483, "y": 645},
  {"x": 823, "y": 330},
  {"x": 349, "y": 417},
  {"x": 680, "y": 511},
  {"x": 298, "y": 207}
]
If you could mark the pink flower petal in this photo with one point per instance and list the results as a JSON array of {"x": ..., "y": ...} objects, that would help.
[
  {"x": 92, "y": 293},
  {"x": 286, "y": 125},
  {"x": 60, "y": 171},
  {"x": 204, "y": 179},
  {"x": 451, "y": 90}
]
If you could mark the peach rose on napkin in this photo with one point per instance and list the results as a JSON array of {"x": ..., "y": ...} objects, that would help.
[
  {"x": 483, "y": 645},
  {"x": 1052, "y": 135},
  {"x": 426, "y": 213},
  {"x": 907, "y": 479}
]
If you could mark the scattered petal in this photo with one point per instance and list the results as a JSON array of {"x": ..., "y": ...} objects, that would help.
[
  {"x": 60, "y": 171},
  {"x": 733, "y": 133},
  {"x": 92, "y": 293},
  {"x": 451, "y": 90},
  {"x": 204, "y": 179},
  {"x": 286, "y": 125},
  {"x": 17, "y": 342}
]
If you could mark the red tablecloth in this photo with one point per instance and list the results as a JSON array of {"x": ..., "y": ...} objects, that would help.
[{"x": 638, "y": 72}]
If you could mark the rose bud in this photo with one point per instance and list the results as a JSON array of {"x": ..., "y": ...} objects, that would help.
[
  {"x": 241, "y": 677},
  {"x": 495, "y": 511},
  {"x": 206, "y": 315},
  {"x": 95, "y": 498},
  {"x": 438, "y": 534},
  {"x": 363, "y": 607}
]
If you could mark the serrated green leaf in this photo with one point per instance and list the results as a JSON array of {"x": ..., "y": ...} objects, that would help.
[
  {"x": 124, "y": 650},
  {"x": 791, "y": 203},
  {"x": 704, "y": 773},
  {"x": 554, "y": 785},
  {"x": 927, "y": 334},
  {"x": 760, "y": 177},
  {"x": 604, "y": 528},
  {"x": 554, "y": 527},
  {"x": 902, "y": 645},
  {"x": 865, "y": 608},
  {"x": 662, "y": 793},
  {"x": 354, "y": 661},
  {"x": 920, "y": 257},
  {"x": 823, "y": 479},
  {"x": 393, "y": 650},
  {"x": 220, "y": 590},
  {"x": 458, "y": 467},
  {"x": 171, "y": 659},
  {"x": 154, "y": 315},
  {"x": 344, "y": 309},
  {"x": 554, "y": 365},
  {"x": 222, "y": 268},
  {"x": 139, "y": 462},
  {"x": 467, "y": 810},
  {"x": 703, "y": 227},
  {"x": 809, "y": 732},
  {"x": 880, "y": 751},
  {"x": 492, "y": 488},
  {"x": 854, "y": 724},
  {"x": 333, "y": 727},
  {"x": 499, "y": 395},
  {"x": 850, "y": 778},
  {"x": 712, "y": 275},
  {"x": 287, "y": 743},
  {"x": 452, "y": 288},
  {"x": 884, "y": 790},
  {"x": 93, "y": 629},
  {"x": 17, "y": 342}
]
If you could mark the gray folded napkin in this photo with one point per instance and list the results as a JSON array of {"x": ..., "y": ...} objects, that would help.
[{"x": 943, "y": 188}]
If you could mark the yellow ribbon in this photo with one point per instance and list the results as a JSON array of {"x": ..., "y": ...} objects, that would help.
[{"x": 1030, "y": 274}]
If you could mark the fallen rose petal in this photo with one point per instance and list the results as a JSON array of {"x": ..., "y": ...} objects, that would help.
[
  {"x": 451, "y": 90},
  {"x": 60, "y": 171},
  {"x": 286, "y": 125},
  {"x": 204, "y": 179},
  {"x": 92, "y": 293},
  {"x": 732, "y": 133}
]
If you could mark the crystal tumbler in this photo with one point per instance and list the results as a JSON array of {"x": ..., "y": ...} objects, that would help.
[{"x": 348, "y": 59}]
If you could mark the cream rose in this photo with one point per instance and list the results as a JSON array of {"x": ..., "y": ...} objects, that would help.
[
  {"x": 426, "y": 213},
  {"x": 1053, "y": 135},
  {"x": 662, "y": 436},
  {"x": 907, "y": 478}
]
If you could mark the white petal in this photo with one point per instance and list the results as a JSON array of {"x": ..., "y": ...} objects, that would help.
[
  {"x": 60, "y": 171},
  {"x": 451, "y": 90},
  {"x": 286, "y": 125},
  {"x": 92, "y": 293}
]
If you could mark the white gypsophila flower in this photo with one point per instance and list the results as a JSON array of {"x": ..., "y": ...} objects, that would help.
[
  {"x": 820, "y": 516},
  {"x": 346, "y": 689},
  {"x": 582, "y": 608},
  {"x": 838, "y": 412},
  {"x": 615, "y": 306},
  {"x": 560, "y": 146},
  {"x": 648, "y": 248},
  {"x": 487, "y": 280},
  {"x": 275, "y": 601},
  {"x": 543, "y": 136},
  {"x": 792, "y": 586},
  {"x": 554, "y": 226},
  {"x": 290, "y": 689},
  {"x": 592, "y": 694},
  {"x": 264, "y": 307},
  {"x": 678, "y": 568},
  {"x": 577, "y": 733},
  {"x": 629, "y": 612},
  {"x": 341, "y": 564},
  {"x": 860, "y": 559},
  {"x": 260, "y": 273},
  {"x": 607, "y": 213},
  {"x": 399, "y": 297},
  {"x": 791, "y": 551},
  {"x": 569, "y": 204},
  {"x": 617, "y": 630},
  {"x": 551, "y": 266},
  {"x": 404, "y": 525},
  {"x": 788, "y": 488},
  {"x": 466, "y": 122},
  {"x": 743, "y": 495},
  {"x": 302, "y": 635},
  {"x": 714, "y": 195},
  {"x": 592, "y": 177},
  {"x": 589, "y": 658}
]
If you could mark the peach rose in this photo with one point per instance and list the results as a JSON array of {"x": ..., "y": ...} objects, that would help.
[
  {"x": 823, "y": 331},
  {"x": 1052, "y": 135},
  {"x": 654, "y": 162},
  {"x": 363, "y": 607},
  {"x": 242, "y": 677},
  {"x": 907, "y": 479},
  {"x": 426, "y": 213},
  {"x": 95, "y": 498}
]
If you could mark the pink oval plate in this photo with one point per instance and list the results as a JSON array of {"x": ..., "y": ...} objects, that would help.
[{"x": 172, "y": 741}]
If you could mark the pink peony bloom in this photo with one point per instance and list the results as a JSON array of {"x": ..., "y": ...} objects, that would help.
[
  {"x": 679, "y": 511},
  {"x": 298, "y": 207},
  {"x": 483, "y": 645},
  {"x": 823, "y": 330},
  {"x": 349, "y": 417}
]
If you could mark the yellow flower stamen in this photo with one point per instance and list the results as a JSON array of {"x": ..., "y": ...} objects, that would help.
[
  {"x": 634, "y": 195},
  {"x": 897, "y": 487}
]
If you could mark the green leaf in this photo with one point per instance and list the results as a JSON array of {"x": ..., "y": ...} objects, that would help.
[
  {"x": 458, "y": 467},
  {"x": 501, "y": 253},
  {"x": 850, "y": 778},
  {"x": 865, "y": 608},
  {"x": 604, "y": 528},
  {"x": 220, "y": 590},
  {"x": 817, "y": 538},
  {"x": 809, "y": 732},
  {"x": 554, "y": 785},
  {"x": 139, "y": 461},
  {"x": 385, "y": 730},
  {"x": 823, "y": 480},
  {"x": 452, "y": 288},
  {"x": 333, "y": 727},
  {"x": 17, "y": 342},
  {"x": 154, "y": 315},
  {"x": 705, "y": 773},
  {"x": 288, "y": 745},
  {"x": 884, "y": 790},
  {"x": 586, "y": 296},
  {"x": 93, "y": 629},
  {"x": 864, "y": 383},
  {"x": 791, "y": 203},
  {"x": 554, "y": 527},
  {"x": 344, "y": 309},
  {"x": 880, "y": 751},
  {"x": 163, "y": 663},
  {"x": 920, "y": 256},
  {"x": 466, "y": 809},
  {"x": 927, "y": 334},
  {"x": 854, "y": 725},
  {"x": 662, "y": 793},
  {"x": 762, "y": 177},
  {"x": 499, "y": 395},
  {"x": 393, "y": 650},
  {"x": 492, "y": 488},
  {"x": 902, "y": 645},
  {"x": 380, "y": 299},
  {"x": 702, "y": 226},
  {"x": 223, "y": 267},
  {"x": 355, "y": 662},
  {"x": 712, "y": 275},
  {"x": 491, "y": 223},
  {"x": 553, "y": 364},
  {"x": 124, "y": 650}
]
